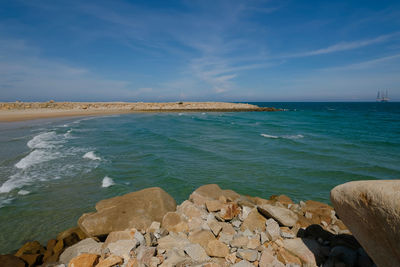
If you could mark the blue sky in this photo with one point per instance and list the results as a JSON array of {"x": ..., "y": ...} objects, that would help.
[{"x": 199, "y": 50}]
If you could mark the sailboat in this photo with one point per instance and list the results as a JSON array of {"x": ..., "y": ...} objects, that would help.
[{"x": 382, "y": 97}]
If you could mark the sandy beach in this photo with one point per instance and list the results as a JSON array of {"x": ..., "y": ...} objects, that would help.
[{"x": 19, "y": 111}]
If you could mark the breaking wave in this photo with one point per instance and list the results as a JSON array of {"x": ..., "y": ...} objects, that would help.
[
  {"x": 107, "y": 182},
  {"x": 91, "y": 155}
]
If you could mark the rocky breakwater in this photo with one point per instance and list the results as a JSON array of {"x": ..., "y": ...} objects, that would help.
[
  {"x": 214, "y": 227},
  {"x": 132, "y": 106}
]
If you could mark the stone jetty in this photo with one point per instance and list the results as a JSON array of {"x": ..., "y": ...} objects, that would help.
[
  {"x": 16, "y": 111},
  {"x": 214, "y": 228}
]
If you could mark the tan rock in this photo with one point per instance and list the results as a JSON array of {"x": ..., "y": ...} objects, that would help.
[
  {"x": 201, "y": 237},
  {"x": 173, "y": 222},
  {"x": 216, "y": 248},
  {"x": 84, "y": 260},
  {"x": 154, "y": 227},
  {"x": 231, "y": 258},
  {"x": 145, "y": 254},
  {"x": 254, "y": 242},
  {"x": 133, "y": 262},
  {"x": 110, "y": 261},
  {"x": 196, "y": 252},
  {"x": 272, "y": 230},
  {"x": 134, "y": 210},
  {"x": 215, "y": 227},
  {"x": 282, "y": 199},
  {"x": 227, "y": 228},
  {"x": 308, "y": 250},
  {"x": 247, "y": 254},
  {"x": 286, "y": 257},
  {"x": 320, "y": 211},
  {"x": 214, "y": 205},
  {"x": 371, "y": 210},
  {"x": 173, "y": 240},
  {"x": 211, "y": 192},
  {"x": 267, "y": 257},
  {"x": 284, "y": 216},
  {"x": 33, "y": 247},
  {"x": 87, "y": 245},
  {"x": 240, "y": 241},
  {"x": 71, "y": 236},
  {"x": 254, "y": 222},
  {"x": 120, "y": 235},
  {"x": 229, "y": 211},
  {"x": 190, "y": 210},
  {"x": 11, "y": 260},
  {"x": 32, "y": 259}
]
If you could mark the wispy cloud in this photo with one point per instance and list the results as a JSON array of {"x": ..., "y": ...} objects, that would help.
[
  {"x": 344, "y": 46},
  {"x": 365, "y": 64}
]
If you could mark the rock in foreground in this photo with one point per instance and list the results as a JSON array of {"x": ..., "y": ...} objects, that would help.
[
  {"x": 371, "y": 210},
  {"x": 134, "y": 210}
]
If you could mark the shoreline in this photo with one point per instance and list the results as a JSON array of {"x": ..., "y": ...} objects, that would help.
[{"x": 22, "y": 111}]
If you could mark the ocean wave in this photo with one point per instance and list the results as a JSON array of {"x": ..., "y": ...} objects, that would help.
[
  {"x": 23, "y": 192},
  {"x": 43, "y": 140},
  {"x": 36, "y": 157},
  {"x": 15, "y": 181},
  {"x": 270, "y": 136},
  {"x": 107, "y": 182},
  {"x": 91, "y": 155},
  {"x": 296, "y": 136}
]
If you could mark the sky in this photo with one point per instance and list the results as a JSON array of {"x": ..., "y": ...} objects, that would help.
[{"x": 199, "y": 50}]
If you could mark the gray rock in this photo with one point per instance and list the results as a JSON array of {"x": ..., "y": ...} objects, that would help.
[
  {"x": 273, "y": 231},
  {"x": 145, "y": 254},
  {"x": 225, "y": 238},
  {"x": 173, "y": 241},
  {"x": 243, "y": 263},
  {"x": 196, "y": 253},
  {"x": 122, "y": 248},
  {"x": 284, "y": 216},
  {"x": 264, "y": 237},
  {"x": 87, "y": 245},
  {"x": 247, "y": 254}
]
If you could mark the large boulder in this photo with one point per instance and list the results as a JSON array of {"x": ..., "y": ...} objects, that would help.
[
  {"x": 134, "y": 210},
  {"x": 371, "y": 210}
]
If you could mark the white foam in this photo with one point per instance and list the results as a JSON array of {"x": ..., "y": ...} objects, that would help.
[
  {"x": 107, "y": 182},
  {"x": 36, "y": 157},
  {"x": 269, "y": 136},
  {"x": 15, "y": 181},
  {"x": 4, "y": 202},
  {"x": 23, "y": 192},
  {"x": 43, "y": 140},
  {"x": 91, "y": 155},
  {"x": 297, "y": 136}
]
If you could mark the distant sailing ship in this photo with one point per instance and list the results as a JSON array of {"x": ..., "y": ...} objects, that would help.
[{"x": 382, "y": 97}]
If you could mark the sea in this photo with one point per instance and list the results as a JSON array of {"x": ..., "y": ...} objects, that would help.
[{"x": 54, "y": 170}]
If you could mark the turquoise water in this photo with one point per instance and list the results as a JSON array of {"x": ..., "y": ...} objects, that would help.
[{"x": 51, "y": 171}]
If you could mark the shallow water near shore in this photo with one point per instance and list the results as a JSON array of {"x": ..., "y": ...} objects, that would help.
[{"x": 52, "y": 171}]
